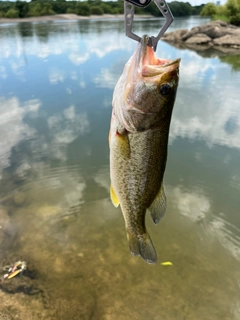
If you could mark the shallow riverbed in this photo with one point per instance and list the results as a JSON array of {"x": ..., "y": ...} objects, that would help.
[{"x": 56, "y": 85}]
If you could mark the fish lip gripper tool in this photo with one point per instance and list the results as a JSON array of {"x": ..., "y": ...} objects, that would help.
[{"x": 129, "y": 9}]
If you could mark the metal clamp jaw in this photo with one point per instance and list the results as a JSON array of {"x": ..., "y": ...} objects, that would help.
[{"x": 129, "y": 9}]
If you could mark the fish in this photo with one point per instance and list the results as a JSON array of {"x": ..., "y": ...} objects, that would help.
[{"x": 142, "y": 105}]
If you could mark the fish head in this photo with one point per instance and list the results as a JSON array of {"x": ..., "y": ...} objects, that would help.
[{"x": 145, "y": 94}]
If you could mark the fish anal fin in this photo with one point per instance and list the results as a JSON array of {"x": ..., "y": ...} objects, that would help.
[
  {"x": 158, "y": 206},
  {"x": 142, "y": 245},
  {"x": 113, "y": 197}
]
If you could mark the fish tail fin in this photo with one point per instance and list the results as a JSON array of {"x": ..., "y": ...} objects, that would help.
[
  {"x": 133, "y": 243},
  {"x": 142, "y": 245}
]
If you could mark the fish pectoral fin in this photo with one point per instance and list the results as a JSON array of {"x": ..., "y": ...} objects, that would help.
[
  {"x": 158, "y": 206},
  {"x": 113, "y": 197},
  {"x": 123, "y": 142},
  {"x": 142, "y": 245}
]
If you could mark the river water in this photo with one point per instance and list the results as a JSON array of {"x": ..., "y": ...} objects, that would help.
[{"x": 56, "y": 85}]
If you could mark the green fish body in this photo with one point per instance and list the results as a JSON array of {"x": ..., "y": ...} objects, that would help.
[{"x": 142, "y": 107}]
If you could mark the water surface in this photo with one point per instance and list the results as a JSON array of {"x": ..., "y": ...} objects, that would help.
[{"x": 56, "y": 85}]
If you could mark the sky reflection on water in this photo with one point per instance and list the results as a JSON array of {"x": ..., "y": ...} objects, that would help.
[{"x": 56, "y": 85}]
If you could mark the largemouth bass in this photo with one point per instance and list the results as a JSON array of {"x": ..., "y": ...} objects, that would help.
[{"x": 143, "y": 101}]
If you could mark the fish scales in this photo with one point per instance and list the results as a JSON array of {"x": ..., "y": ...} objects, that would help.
[
  {"x": 138, "y": 189},
  {"x": 138, "y": 142}
]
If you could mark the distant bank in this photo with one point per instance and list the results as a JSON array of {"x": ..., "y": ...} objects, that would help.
[{"x": 71, "y": 16}]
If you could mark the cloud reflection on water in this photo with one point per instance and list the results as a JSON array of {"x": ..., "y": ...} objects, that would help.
[
  {"x": 78, "y": 50},
  {"x": 209, "y": 120},
  {"x": 198, "y": 207},
  {"x": 194, "y": 205},
  {"x": 67, "y": 126},
  {"x": 106, "y": 79},
  {"x": 3, "y": 73},
  {"x": 206, "y": 104},
  {"x": 56, "y": 76},
  {"x": 12, "y": 128},
  {"x": 63, "y": 183}
]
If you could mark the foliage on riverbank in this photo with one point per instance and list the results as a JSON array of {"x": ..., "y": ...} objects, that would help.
[
  {"x": 230, "y": 12},
  {"x": 36, "y": 8}
]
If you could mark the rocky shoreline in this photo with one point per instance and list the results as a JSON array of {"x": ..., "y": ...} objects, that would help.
[{"x": 217, "y": 35}]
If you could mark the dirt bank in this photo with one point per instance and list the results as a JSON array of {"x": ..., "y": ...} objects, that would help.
[{"x": 59, "y": 17}]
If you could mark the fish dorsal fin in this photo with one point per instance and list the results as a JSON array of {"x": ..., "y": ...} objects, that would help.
[
  {"x": 114, "y": 198},
  {"x": 158, "y": 206}
]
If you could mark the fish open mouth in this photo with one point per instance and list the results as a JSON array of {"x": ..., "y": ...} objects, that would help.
[{"x": 151, "y": 65}]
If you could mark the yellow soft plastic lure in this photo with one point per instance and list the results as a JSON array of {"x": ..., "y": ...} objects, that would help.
[
  {"x": 166, "y": 263},
  {"x": 13, "y": 274}
]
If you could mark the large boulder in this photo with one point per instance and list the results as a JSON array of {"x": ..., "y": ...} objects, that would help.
[
  {"x": 198, "y": 38},
  {"x": 219, "y": 22},
  {"x": 215, "y": 33},
  {"x": 212, "y": 29},
  {"x": 235, "y": 32},
  {"x": 191, "y": 33},
  {"x": 174, "y": 36},
  {"x": 228, "y": 41}
]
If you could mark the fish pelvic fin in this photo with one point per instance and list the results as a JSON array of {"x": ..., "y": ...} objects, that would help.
[
  {"x": 113, "y": 197},
  {"x": 158, "y": 206},
  {"x": 142, "y": 245}
]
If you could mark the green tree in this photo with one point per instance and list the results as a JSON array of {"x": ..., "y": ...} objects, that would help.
[
  {"x": 82, "y": 9},
  {"x": 230, "y": 12},
  {"x": 22, "y": 8},
  {"x": 153, "y": 10},
  {"x": 5, "y": 6},
  {"x": 116, "y": 6},
  {"x": 197, "y": 9},
  {"x": 235, "y": 19},
  {"x": 106, "y": 8},
  {"x": 34, "y": 9},
  {"x": 47, "y": 9},
  {"x": 180, "y": 9},
  {"x": 12, "y": 13},
  {"x": 209, "y": 9},
  {"x": 60, "y": 6},
  {"x": 233, "y": 7},
  {"x": 96, "y": 10},
  {"x": 71, "y": 10}
]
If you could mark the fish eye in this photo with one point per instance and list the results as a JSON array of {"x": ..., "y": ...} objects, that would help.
[{"x": 165, "y": 89}]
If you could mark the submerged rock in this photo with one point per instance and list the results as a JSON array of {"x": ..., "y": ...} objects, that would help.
[
  {"x": 27, "y": 283},
  {"x": 4, "y": 224},
  {"x": 19, "y": 284},
  {"x": 19, "y": 198},
  {"x": 217, "y": 34},
  {"x": 49, "y": 211},
  {"x": 4, "y": 316},
  {"x": 4, "y": 218}
]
